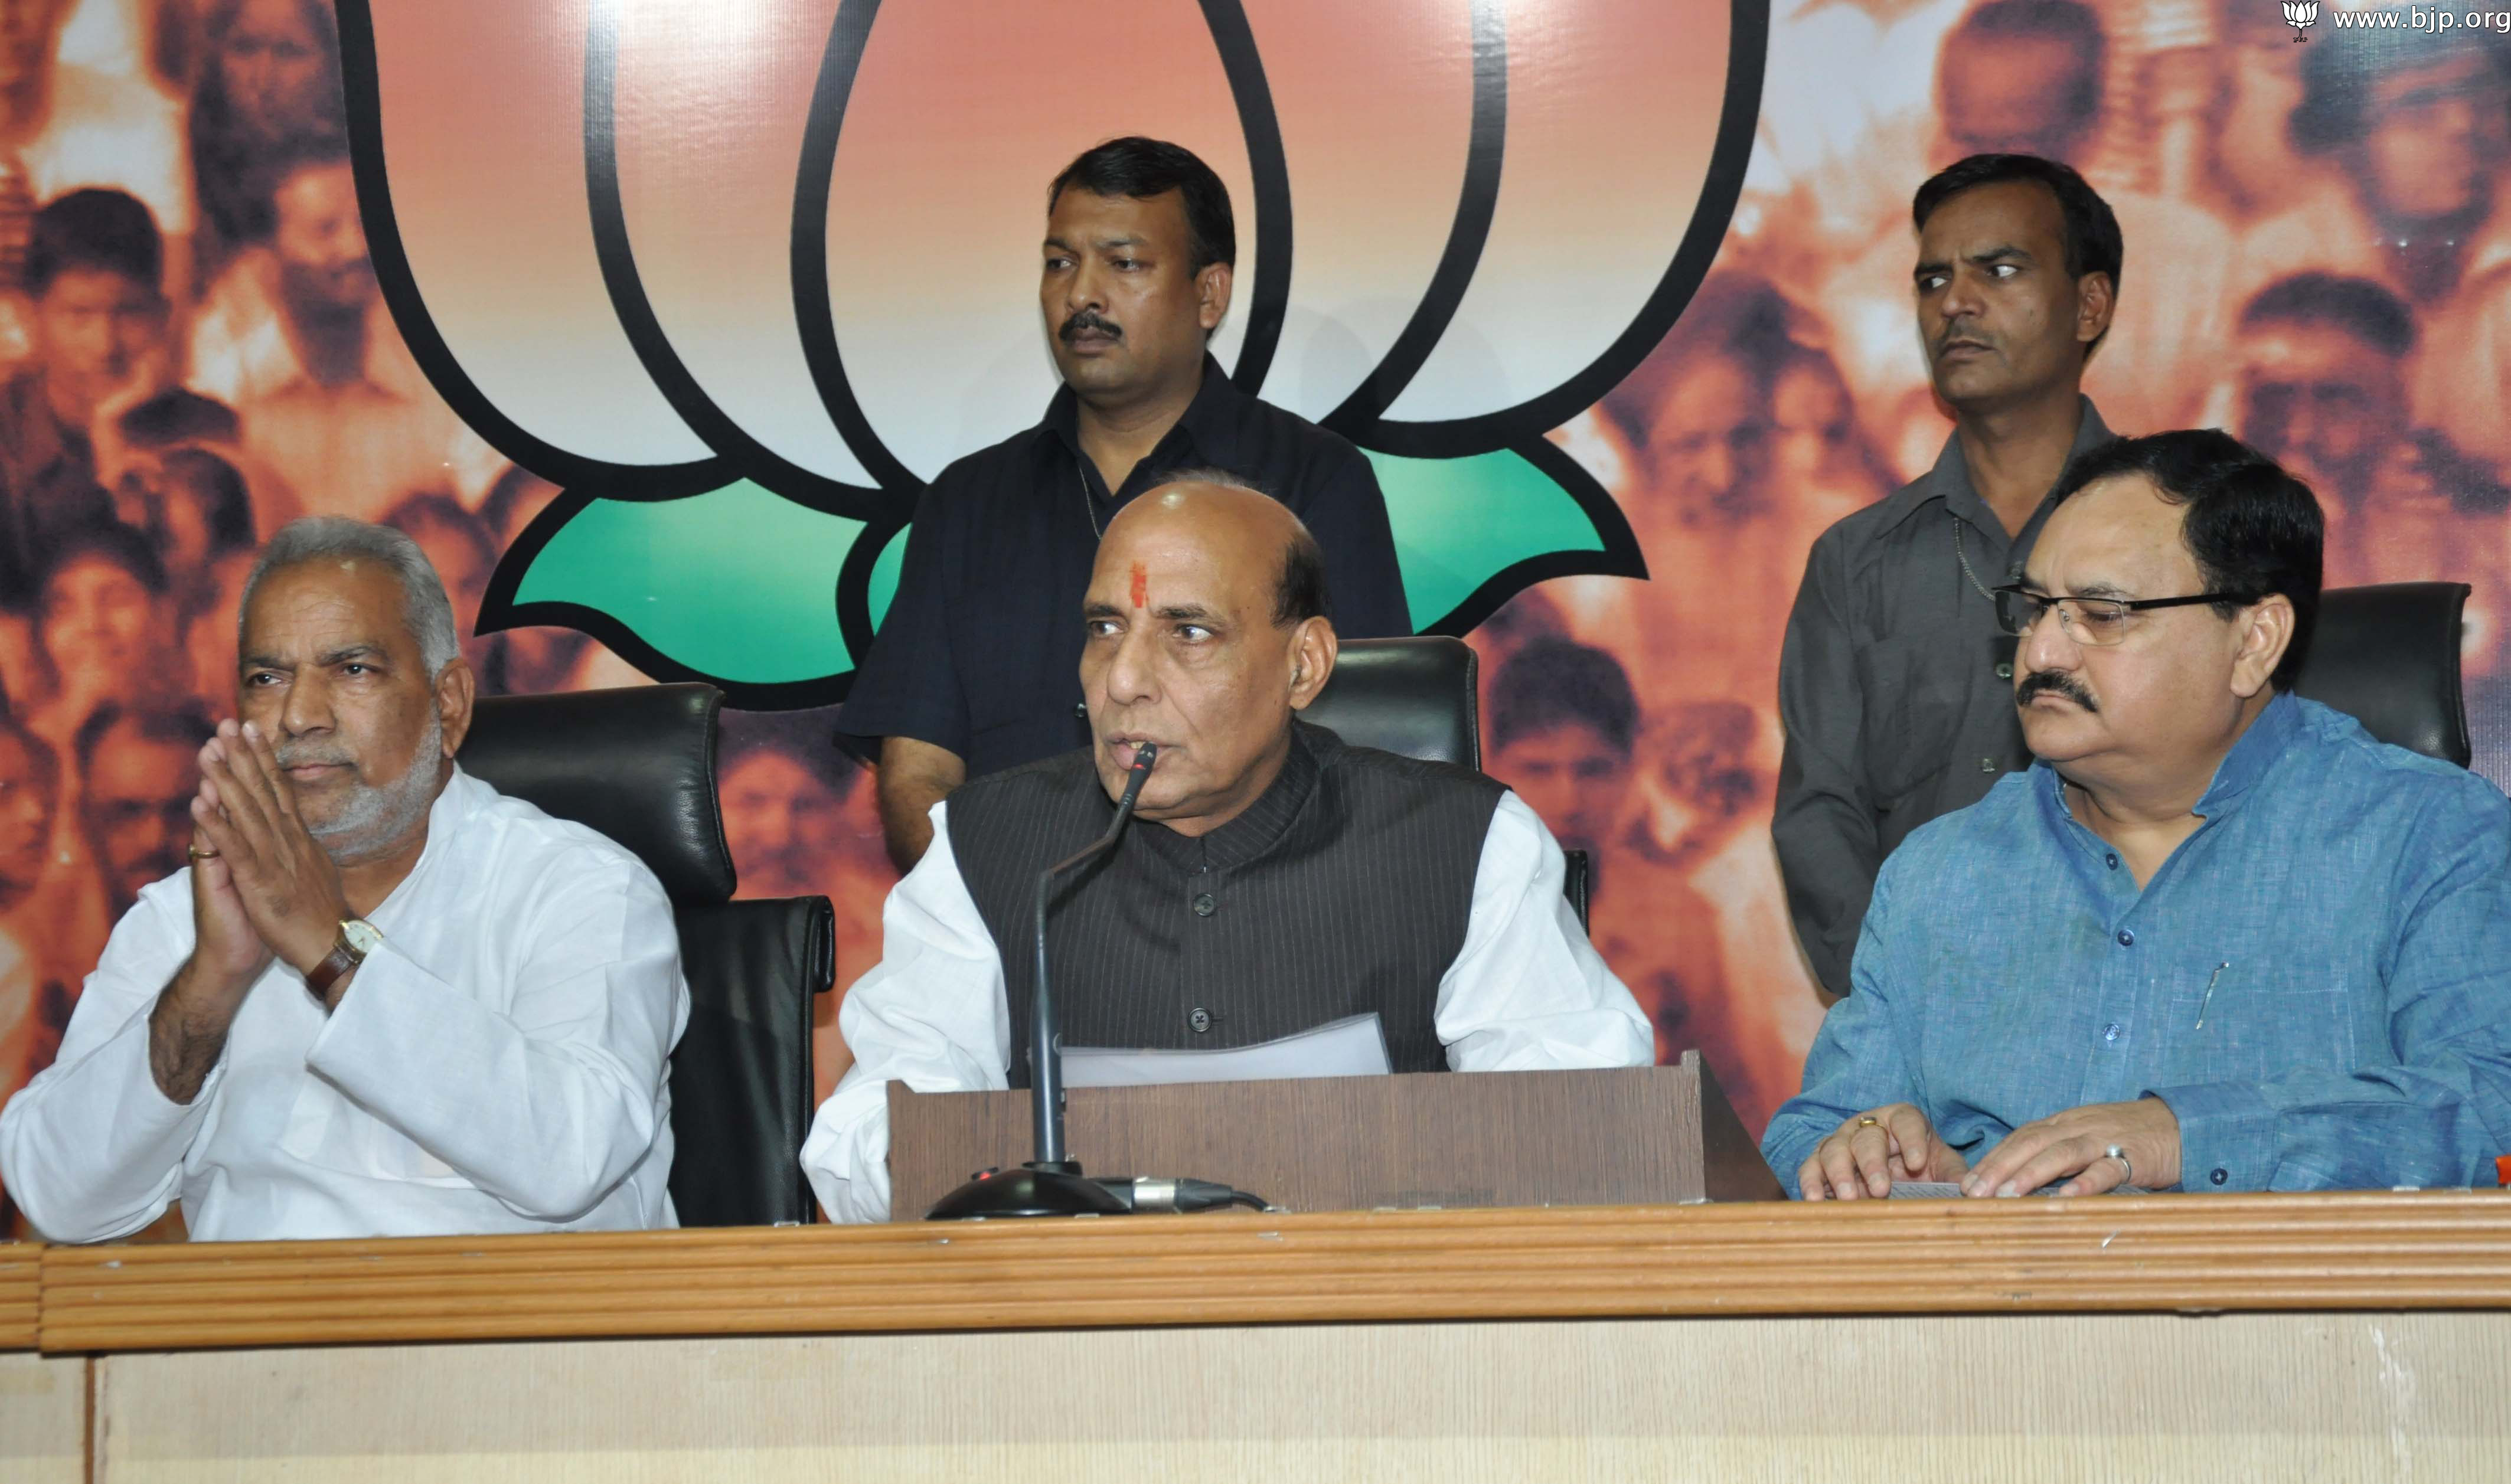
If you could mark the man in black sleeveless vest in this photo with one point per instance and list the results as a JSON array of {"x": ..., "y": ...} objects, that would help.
[{"x": 1275, "y": 879}]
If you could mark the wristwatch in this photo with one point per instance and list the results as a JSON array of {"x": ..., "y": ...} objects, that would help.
[{"x": 357, "y": 939}]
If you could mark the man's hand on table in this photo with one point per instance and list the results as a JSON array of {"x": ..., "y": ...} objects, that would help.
[
  {"x": 2074, "y": 1146},
  {"x": 1866, "y": 1153}
]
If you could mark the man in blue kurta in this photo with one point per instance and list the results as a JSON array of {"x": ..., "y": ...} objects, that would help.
[{"x": 2216, "y": 937}]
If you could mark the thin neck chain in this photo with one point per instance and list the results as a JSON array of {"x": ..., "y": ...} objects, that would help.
[
  {"x": 1089, "y": 507},
  {"x": 1959, "y": 555}
]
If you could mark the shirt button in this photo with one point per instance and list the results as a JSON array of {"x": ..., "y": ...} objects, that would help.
[
  {"x": 2127, "y": 937},
  {"x": 1201, "y": 1021},
  {"x": 2005, "y": 672},
  {"x": 2112, "y": 1031},
  {"x": 2113, "y": 860},
  {"x": 1988, "y": 765},
  {"x": 2220, "y": 1176},
  {"x": 1203, "y": 905}
]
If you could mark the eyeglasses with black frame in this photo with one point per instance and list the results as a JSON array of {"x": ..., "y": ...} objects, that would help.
[{"x": 2097, "y": 622}]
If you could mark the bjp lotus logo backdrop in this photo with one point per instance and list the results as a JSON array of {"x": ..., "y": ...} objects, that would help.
[{"x": 741, "y": 276}]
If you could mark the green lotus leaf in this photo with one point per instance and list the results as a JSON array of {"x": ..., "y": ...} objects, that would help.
[
  {"x": 737, "y": 583},
  {"x": 1460, "y": 523}
]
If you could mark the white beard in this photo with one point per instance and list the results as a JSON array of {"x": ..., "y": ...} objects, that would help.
[{"x": 375, "y": 814}]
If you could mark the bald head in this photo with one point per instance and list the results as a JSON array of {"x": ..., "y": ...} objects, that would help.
[
  {"x": 1206, "y": 631},
  {"x": 1237, "y": 518}
]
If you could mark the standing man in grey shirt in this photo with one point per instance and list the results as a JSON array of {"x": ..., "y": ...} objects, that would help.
[{"x": 1896, "y": 685}]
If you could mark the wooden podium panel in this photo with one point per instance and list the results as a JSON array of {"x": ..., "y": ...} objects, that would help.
[
  {"x": 1877, "y": 1340},
  {"x": 2151, "y": 1337},
  {"x": 1435, "y": 1140}
]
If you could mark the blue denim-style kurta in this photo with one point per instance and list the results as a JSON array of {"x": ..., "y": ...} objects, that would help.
[{"x": 2348, "y": 903}]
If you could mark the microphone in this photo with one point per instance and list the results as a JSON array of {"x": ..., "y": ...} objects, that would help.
[
  {"x": 1050, "y": 1185},
  {"x": 1045, "y": 1055}
]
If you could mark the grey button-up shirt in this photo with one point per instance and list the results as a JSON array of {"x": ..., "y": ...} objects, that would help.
[{"x": 1896, "y": 689}]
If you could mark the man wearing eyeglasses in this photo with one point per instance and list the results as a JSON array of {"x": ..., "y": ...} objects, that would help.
[{"x": 2216, "y": 936}]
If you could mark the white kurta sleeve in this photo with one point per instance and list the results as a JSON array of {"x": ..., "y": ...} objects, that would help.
[
  {"x": 931, "y": 1014},
  {"x": 1528, "y": 991},
  {"x": 90, "y": 1149},
  {"x": 548, "y": 1104}
]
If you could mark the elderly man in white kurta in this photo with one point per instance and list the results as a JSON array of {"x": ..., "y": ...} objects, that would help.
[{"x": 383, "y": 999}]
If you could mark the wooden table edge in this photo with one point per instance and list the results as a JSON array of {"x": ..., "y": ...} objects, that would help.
[{"x": 2425, "y": 1250}]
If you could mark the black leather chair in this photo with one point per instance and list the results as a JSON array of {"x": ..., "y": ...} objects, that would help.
[
  {"x": 638, "y": 765},
  {"x": 1417, "y": 697},
  {"x": 1413, "y": 696},
  {"x": 2387, "y": 656}
]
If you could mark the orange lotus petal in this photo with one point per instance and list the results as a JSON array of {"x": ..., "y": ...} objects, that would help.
[
  {"x": 1613, "y": 108},
  {"x": 708, "y": 116},
  {"x": 1375, "y": 103},
  {"x": 960, "y": 116},
  {"x": 481, "y": 124}
]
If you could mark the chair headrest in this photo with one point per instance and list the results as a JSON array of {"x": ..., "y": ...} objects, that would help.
[
  {"x": 1413, "y": 696},
  {"x": 638, "y": 764},
  {"x": 2387, "y": 656}
]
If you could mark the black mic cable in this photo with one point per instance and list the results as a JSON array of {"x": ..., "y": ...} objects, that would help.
[{"x": 1149, "y": 1192}]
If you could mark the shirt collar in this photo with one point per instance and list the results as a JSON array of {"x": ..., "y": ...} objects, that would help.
[
  {"x": 1210, "y": 422},
  {"x": 1262, "y": 823},
  {"x": 2253, "y": 754},
  {"x": 461, "y": 795},
  {"x": 1949, "y": 479}
]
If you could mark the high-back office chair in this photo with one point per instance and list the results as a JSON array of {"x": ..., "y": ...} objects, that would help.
[
  {"x": 1417, "y": 697},
  {"x": 638, "y": 765},
  {"x": 2387, "y": 656}
]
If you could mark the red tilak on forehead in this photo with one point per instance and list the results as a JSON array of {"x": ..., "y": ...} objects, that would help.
[{"x": 1141, "y": 586}]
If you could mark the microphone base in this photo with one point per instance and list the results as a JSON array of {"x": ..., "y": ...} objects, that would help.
[{"x": 1031, "y": 1190}]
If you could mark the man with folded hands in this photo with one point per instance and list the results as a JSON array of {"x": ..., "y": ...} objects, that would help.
[
  {"x": 382, "y": 999},
  {"x": 2216, "y": 937},
  {"x": 1275, "y": 879}
]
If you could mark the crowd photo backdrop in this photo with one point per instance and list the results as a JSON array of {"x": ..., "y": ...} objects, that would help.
[{"x": 650, "y": 319}]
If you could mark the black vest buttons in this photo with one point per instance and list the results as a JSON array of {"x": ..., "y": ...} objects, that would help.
[
  {"x": 1200, "y": 1020},
  {"x": 1203, "y": 905}
]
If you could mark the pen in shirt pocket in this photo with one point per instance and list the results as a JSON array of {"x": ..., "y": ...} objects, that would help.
[{"x": 2208, "y": 998}]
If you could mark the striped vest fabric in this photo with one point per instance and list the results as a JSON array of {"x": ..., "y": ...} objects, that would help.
[{"x": 1344, "y": 888}]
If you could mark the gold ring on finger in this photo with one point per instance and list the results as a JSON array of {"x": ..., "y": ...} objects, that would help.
[
  {"x": 1870, "y": 1122},
  {"x": 199, "y": 854}
]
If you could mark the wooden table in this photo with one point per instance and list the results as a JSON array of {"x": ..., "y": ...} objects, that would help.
[{"x": 2361, "y": 1336}]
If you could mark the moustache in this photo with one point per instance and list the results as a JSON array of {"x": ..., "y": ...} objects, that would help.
[
  {"x": 1087, "y": 320},
  {"x": 2052, "y": 683},
  {"x": 307, "y": 754}
]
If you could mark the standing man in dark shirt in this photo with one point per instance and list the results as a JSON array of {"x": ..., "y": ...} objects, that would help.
[
  {"x": 1895, "y": 682},
  {"x": 976, "y": 664}
]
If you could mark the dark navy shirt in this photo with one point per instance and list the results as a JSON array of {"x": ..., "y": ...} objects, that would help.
[{"x": 981, "y": 650}]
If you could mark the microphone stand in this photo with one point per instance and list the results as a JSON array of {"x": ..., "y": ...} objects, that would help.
[{"x": 1050, "y": 1185}]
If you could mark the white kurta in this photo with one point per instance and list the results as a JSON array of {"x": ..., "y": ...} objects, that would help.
[
  {"x": 1526, "y": 992},
  {"x": 498, "y": 1065}
]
